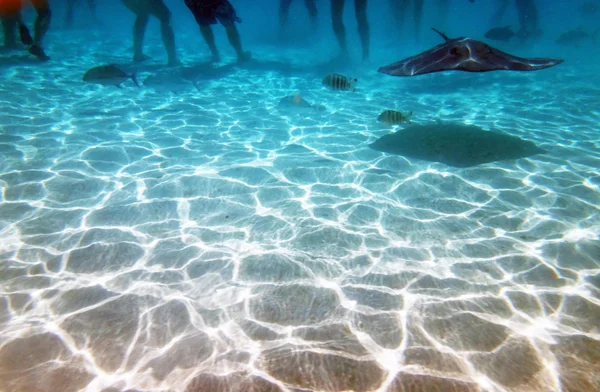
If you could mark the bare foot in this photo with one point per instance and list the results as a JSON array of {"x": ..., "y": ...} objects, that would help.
[
  {"x": 138, "y": 58},
  {"x": 244, "y": 56},
  {"x": 38, "y": 52}
]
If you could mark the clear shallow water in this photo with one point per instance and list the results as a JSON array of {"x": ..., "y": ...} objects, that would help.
[{"x": 195, "y": 238}]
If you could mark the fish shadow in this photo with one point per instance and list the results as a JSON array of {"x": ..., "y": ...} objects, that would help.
[
  {"x": 283, "y": 67},
  {"x": 286, "y": 67},
  {"x": 175, "y": 78},
  {"x": 143, "y": 67},
  {"x": 335, "y": 64},
  {"x": 206, "y": 71},
  {"x": 15, "y": 60}
]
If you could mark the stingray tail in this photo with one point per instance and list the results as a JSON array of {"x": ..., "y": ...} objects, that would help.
[
  {"x": 195, "y": 83},
  {"x": 134, "y": 78},
  {"x": 596, "y": 37},
  {"x": 444, "y": 36}
]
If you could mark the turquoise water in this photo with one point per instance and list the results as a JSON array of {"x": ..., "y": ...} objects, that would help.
[{"x": 193, "y": 235}]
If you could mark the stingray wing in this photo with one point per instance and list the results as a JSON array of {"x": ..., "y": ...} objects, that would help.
[{"x": 465, "y": 54}]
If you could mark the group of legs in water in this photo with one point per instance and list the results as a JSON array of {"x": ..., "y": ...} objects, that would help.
[{"x": 209, "y": 12}]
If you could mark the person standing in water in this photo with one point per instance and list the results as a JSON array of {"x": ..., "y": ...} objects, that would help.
[
  {"x": 337, "y": 15},
  {"x": 444, "y": 9},
  {"x": 143, "y": 9},
  {"x": 284, "y": 10},
  {"x": 529, "y": 19},
  {"x": 10, "y": 12},
  {"x": 10, "y": 15},
  {"x": 498, "y": 15},
  {"x": 400, "y": 8},
  {"x": 70, "y": 10},
  {"x": 208, "y": 12}
]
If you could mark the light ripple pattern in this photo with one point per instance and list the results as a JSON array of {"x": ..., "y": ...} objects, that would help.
[{"x": 203, "y": 240}]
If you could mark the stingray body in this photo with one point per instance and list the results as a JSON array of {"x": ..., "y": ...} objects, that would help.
[
  {"x": 294, "y": 101},
  {"x": 456, "y": 145},
  {"x": 465, "y": 54}
]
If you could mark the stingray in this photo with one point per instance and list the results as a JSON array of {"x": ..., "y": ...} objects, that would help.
[
  {"x": 454, "y": 144},
  {"x": 464, "y": 54}
]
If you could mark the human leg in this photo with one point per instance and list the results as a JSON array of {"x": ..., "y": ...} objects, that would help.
[
  {"x": 443, "y": 8},
  {"x": 209, "y": 38},
  {"x": 235, "y": 40},
  {"x": 41, "y": 26},
  {"x": 284, "y": 11},
  {"x": 360, "y": 7},
  {"x": 162, "y": 13},
  {"x": 499, "y": 13},
  {"x": 418, "y": 16},
  {"x": 226, "y": 15},
  {"x": 9, "y": 27},
  {"x": 528, "y": 18},
  {"x": 139, "y": 31},
  {"x": 311, "y": 7},
  {"x": 92, "y": 8},
  {"x": 70, "y": 9},
  {"x": 337, "y": 22},
  {"x": 142, "y": 15}
]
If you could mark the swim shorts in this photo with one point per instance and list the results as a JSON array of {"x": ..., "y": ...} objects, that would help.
[{"x": 208, "y": 12}]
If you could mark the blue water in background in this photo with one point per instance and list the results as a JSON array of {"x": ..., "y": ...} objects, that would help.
[
  {"x": 190, "y": 235},
  {"x": 260, "y": 24}
]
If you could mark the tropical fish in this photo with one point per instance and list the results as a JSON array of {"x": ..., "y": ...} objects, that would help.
[
  {"x": 108, "y": 75},
  {"x": 500, "y": 34},
  {"x": 393, "y": 117},
  {"x": 573, "y": 37},
  {"x": 339, "y": 82}
]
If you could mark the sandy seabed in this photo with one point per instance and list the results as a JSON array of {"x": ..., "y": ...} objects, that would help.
[{"x": 191, "y": 236}]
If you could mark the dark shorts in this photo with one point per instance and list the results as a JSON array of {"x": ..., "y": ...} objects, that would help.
[
  {"x": 209, "y": 12},
  {"x": 13, "y": 7}
]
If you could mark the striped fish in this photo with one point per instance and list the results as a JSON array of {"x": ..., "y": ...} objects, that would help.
[
  {"x": 392, "y": 117},
  {"x": 339, "y": 82}
]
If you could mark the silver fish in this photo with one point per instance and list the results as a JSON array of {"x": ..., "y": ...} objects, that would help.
[
  {"x": 295, "y": 103},
  {"x": 108, "y": 75}
]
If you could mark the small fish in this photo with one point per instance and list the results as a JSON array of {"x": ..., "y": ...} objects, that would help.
[
  {"x": 393, "y": 117},
  {"x": 590, "y": 8},
  {"x": 295, "y": 103},
  {"x": 573, "y": 37},
  {"x": 500, "y": 34},
  {"x": 108, "y": 75},
  {"x": 339, "y": 82}
]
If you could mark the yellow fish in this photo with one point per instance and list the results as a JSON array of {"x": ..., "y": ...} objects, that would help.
[
  {"x": 392, "y": 117},
  {"x": 339, "y": 82}
]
